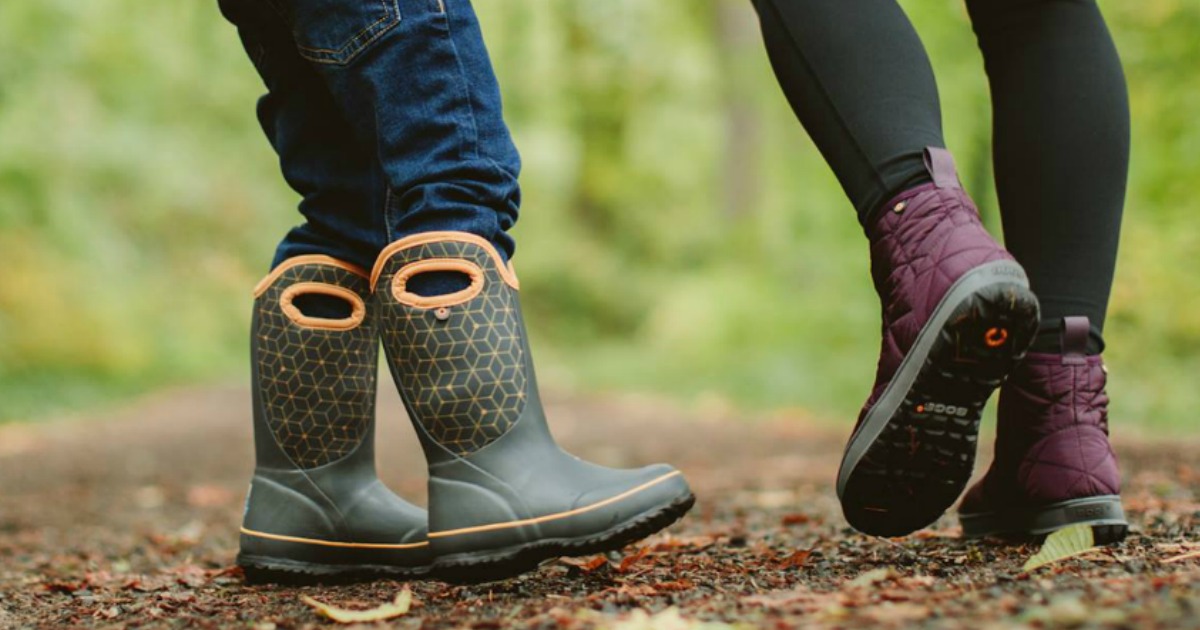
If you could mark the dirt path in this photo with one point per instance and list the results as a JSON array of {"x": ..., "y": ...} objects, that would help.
[{"x": 131, "y": 519}]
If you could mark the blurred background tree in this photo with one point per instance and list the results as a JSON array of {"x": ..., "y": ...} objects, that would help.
[{"x": 680, "y": 234}]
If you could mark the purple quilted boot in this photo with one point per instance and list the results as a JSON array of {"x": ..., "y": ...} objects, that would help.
[
  {"x": 1054, "y": 466},
  {"x": 957, "y": 316}
]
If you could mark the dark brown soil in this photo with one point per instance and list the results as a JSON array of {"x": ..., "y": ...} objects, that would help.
[{"x": 131, "y": 519}]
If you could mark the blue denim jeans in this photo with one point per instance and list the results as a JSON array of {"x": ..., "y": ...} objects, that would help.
[{"x": 387, "y": 120}]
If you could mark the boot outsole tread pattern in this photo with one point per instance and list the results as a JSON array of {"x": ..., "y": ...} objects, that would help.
[
  {"x": 497, "y": 565},
  {"x": 259, "y": 570},
  {"x": 921, "y": 461}
]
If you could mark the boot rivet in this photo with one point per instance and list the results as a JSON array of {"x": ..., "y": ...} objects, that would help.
[
  {"x": 898, "y": 208},
  {"x": 442, "y": 313}
]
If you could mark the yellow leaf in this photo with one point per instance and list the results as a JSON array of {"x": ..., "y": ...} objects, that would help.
[
  {"x": 873, "y": 577},
  {"x": 397, "y": 608},
  {"x": 668, "y": 619},
  {"x": 1062, "y": 544}
]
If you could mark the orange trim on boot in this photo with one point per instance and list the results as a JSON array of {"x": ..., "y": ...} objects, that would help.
[
  {"x": 307, "y": 259},
  {"x": 554, "y": 517},
  {"x": 506, "y": 271},
  {"x": 458, "y": 265},
  {"x": 357, "y": 315},
  {"x": 333, "y": 543}
]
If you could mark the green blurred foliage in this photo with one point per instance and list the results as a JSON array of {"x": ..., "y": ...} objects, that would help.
[{"x": 680, "y": 233}]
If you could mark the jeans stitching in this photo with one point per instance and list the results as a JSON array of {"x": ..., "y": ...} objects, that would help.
[
  {"x": 372, "y": 32},
  {"x": 386, "y": 16}
]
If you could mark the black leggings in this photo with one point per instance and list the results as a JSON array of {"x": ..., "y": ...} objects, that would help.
[{"x": 858, "y": 78}]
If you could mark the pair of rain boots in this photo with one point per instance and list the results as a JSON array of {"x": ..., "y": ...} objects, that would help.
[
  {"x": 503, "y": 496},
  {"x": 958, "y": 319}
]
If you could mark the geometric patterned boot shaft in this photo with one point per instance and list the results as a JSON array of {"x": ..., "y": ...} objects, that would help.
[
  {"x": 316, "y": 376},
  {"x": 459, "y": 359},
  {"x": 316, "y": 506}
]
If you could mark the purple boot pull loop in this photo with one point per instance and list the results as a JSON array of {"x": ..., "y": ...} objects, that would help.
[
  {"x": 1074, "y": 340},
  {"x": 940, "y": 165}
]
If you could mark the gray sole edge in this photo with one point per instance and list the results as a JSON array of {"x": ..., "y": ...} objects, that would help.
[
  {"x": 1095, "y": 511},
  {"x": 997, "y": 272}
]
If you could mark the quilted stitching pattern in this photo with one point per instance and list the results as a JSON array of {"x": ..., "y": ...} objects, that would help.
[
  {"x": 463, "y": 376},
  {"x": 317, "y": 385},
  {"x": 1052, "y": 442},
  {"x": 916, "y": 256}
]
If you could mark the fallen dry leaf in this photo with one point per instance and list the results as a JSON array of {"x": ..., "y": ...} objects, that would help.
[
  {"x": 1182, "y": 557},
  {"x": 62, "y": 586},
  {"x": 628, "y": 561},
  {"x": 636, "y": 590},
  {"x": 586, "y": 565},
  {"x": 872, "y": 577},
  {"x": 931, "y": 534},
  {"x": 668, "y": 619},
  {"x": 1067, "y": 542},
  {"x": 797, "y": 559},
  {"x": 795, "y": 519},
  {"x": 781, "y": 599},
  {"x": 677, "y": 543},
  {"x": 897, "y": 613},
  {"x": 398, "y": 607}
]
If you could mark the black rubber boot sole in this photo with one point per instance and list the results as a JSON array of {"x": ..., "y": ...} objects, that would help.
[
  {"x": 913, "y": 454},
  {"x": 265, "y": 570},
  {"x": 272, "y": 558},
  {"x": 1103, "y": 513},
  {"x": 500, "y": 564},
  {"x": 260, "y": 570}
]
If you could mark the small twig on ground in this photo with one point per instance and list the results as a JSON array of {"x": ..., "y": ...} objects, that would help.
[{"x": 1182, "y": 557}]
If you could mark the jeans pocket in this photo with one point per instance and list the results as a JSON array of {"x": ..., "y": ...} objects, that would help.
[{"x": 337, "y": 31}]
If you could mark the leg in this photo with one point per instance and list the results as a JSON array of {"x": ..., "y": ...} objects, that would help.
[
  {"x": 417, "y": 86},
  {"x": 1062, "y": 152},
  {"x": 315, "y": 506},
  {"x": 415, "y": 82},
  {"x": 336, "y": 177},
  {"x": 1061, "y": 149},
  {"x": 861, "y": 84},
  {"x": 957, "y": 310}
]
